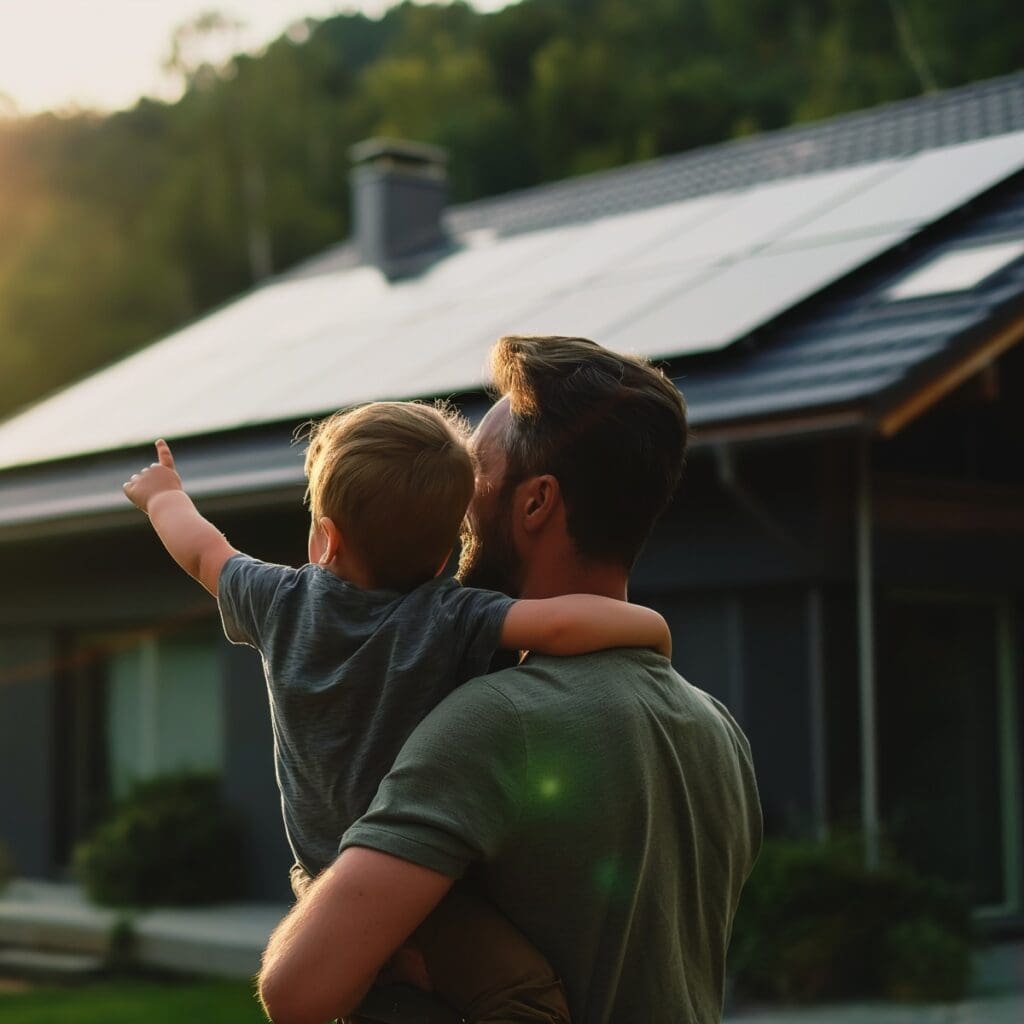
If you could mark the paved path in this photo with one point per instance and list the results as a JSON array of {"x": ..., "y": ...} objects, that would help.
[
  {"x": 1006, "y": 1009},
  {"x": 227, "y": 940},
  {"x": 997, "y": 997},
  {"x": 997, "y": 1010}
]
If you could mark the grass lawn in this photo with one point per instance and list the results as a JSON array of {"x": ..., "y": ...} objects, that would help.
[{"x": 134, "y": 1002}]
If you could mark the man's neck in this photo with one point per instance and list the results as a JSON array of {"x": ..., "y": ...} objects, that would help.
[{"x": 553, "y": 579}]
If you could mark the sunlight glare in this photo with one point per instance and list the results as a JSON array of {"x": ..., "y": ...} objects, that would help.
[{"x": 105, "y": 54}]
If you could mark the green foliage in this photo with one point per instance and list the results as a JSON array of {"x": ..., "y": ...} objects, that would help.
[
  {"x": 172, "y": 841},
  {"x": 815, "y": 924},
  {"x": 116, "y": 229},
  {"x": 925, "y": 961}
]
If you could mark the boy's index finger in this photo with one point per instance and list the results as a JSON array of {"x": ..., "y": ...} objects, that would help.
[{"x": 163, "y": 453}]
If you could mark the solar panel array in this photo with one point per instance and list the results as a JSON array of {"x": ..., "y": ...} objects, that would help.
[{"x": 686, "y": 277}]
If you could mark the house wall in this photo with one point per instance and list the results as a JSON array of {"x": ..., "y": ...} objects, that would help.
[
  {"x": 950, "y": 544},
  {"x": 753, "y": 566},
  {"x": 737, "y": 566},
  {"x": 249, "y": 784},
  {"x": 113, "y": 581},
  {"x": 732, "y": 572},
  {"x": 27, "y": 747}
]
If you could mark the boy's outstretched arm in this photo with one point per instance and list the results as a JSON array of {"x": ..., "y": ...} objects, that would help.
[
  {"x": 192, "y": 541},
  {"x": 580, "y": 623}
]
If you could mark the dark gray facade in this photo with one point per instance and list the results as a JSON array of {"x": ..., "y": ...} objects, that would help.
[
  {"x": 754, "y": 566},
  {"x": 842, "y": 566}
]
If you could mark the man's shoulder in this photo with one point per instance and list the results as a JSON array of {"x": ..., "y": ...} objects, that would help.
[
  {"x": 600, "y": 677},
  {"x": 615, "y": 664},
  {"x": 612, "y": 682}
]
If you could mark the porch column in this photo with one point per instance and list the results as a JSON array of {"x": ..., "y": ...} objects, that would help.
[{"x": 866, "y": 659}]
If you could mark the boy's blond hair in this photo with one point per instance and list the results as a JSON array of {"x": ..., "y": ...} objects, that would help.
[{"x": 396, "y": 479}]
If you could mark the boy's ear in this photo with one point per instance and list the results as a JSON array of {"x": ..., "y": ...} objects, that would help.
[{"x": 330, "y": 537}]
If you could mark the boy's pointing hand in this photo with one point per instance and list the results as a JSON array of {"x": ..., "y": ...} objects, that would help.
[{"x": 156, "y": 478}]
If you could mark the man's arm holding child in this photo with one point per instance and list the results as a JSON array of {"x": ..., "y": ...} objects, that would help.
[
  {"x": 324, "y": 956},
  {"x": 581, "y": 623},
  {"x": 192, "y": 541}
]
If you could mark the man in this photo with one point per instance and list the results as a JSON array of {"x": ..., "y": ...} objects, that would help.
[{"x": 606, "y": 806}]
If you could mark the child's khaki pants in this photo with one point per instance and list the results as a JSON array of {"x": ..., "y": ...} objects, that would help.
[{"x": 478, "y": 962}]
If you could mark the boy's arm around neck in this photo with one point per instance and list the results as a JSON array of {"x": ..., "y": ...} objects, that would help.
[
  {"x": 581, "y": 623},
  {"x": 192, "y": 541}
]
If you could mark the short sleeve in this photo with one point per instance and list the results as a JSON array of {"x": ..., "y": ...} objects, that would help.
[
  {"x": 479, "y": 616},
  {"x": 245, "y": 593},
  {"x": 455, "y": 790}
]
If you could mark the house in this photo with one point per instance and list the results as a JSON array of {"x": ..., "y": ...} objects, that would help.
[{"x": 841, "y": 303}]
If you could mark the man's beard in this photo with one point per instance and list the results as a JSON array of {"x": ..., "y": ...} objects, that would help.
[{"x": 487, "y": 559}]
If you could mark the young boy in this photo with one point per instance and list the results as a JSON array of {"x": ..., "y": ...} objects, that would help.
[{"x": 362, "y": 642}]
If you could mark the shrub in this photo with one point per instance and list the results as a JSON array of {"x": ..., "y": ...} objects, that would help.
[
  {"x": 172, "y": 841},
  {"x": 815, "y": 924},
  {"x": 925, "y": 962}
]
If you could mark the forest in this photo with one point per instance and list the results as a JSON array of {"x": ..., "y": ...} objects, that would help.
[{"x": 117, "y": 228}]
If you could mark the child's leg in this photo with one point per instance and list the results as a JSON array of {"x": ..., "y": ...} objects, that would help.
[
  {"x": 476, "y": 960},
  {"x": 401, "y": 1004},
  {"x": 484, "y": 966}
]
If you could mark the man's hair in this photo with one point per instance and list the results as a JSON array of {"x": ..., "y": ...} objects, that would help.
[
  {"x": 396, "y": 478},
  {"x": 611, "y": 428}
]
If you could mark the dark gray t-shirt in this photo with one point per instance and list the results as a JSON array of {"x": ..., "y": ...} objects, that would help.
[
  {"x": 350, "y": 673},
  {"x": 609, "y": 809}
]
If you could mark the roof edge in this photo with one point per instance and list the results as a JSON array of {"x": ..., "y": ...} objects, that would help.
[{"x": 913, "y": 402}]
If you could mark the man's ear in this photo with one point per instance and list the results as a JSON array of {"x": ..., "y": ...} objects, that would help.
[
  {"x": 330, "y": 540},
  {"x": 540, "y": 497}
]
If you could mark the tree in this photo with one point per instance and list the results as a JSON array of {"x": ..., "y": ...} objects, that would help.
[{"x": 118, "y": 228}]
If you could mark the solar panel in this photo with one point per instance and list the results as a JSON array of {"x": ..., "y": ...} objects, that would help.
[
  {"x": 922, "y": 189},
  {"x": 758, "y": 216},
  {"x": 956, "y": 271},
  {"x": 741, "y": 296},
  {"x": 442, "y": 351},
  {"x": 484, "y": 266},
  {"x": 550, "y": 259},
  {"x": 685, "y": 277},
  {"x": 595, "y": 310}
]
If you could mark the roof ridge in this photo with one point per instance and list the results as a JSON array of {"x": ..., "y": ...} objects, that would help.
[
  {"x": 965, "y": 113},
  {"x": 896, "y": 128}
]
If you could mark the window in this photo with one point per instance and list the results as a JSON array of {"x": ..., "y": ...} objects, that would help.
[
  {"x": 133, "y": 705},
  {"x": 163, "y": 709},
  {"x": 956, "y": 271}
]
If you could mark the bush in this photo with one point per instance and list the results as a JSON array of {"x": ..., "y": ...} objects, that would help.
[
  {"x": 815, "y": 924},
  {"x": 925, "y": 961},
  {"x": 172, "y": 841}
]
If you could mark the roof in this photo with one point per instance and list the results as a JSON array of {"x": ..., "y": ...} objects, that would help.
[
  {"x": 758, "y": 268},
  {"x": 856, "y": 354},
  {"x": 888, "y": 132},
  {"x": 891, "y": 131}
]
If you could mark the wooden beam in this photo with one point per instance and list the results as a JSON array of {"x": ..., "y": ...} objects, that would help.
[
  {"x": 892, "y": 422},
  {"x": 937, "y": 515},
  {"x": 927, "y": 504},
  {"x": 777, "y": 429}
]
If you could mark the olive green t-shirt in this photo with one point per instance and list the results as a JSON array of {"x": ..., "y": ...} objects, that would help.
[{"x": 612, "y": 813}]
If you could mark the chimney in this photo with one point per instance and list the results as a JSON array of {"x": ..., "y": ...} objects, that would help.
[{"x": 399, "y": 192}]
